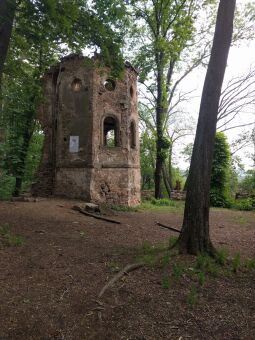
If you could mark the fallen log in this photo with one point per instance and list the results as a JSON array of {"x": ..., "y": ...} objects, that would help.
[
  {"x": 98, "y": 216},
  {"x": 167, "y": 227}
]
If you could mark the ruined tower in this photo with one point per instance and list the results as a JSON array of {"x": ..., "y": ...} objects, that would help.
[{"x": 90, "y": 122}]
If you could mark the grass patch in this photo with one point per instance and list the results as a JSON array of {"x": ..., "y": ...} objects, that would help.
[
  {"x": 192, "y": 297},
  {"x": 249, "y": 264},
  {"x": 178, "y": 270},
  {"x": 149, "y": 253},
  {"x": 189, "y": 271},
  {"x": 9, "y": 239},
  {"x": 162, "y": 205},
  {"x": 166, "y": 283},
  {"x": 221, "y": 256},
  {"x": 122, "y": 208}
]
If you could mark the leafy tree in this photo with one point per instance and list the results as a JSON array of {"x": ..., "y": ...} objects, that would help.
[
  {"x": 220, "y": 193},
  {"x": 44, "y": 31},
  {"x": 194, "y": 237},
  {"x": 171, "y": 43},
  {"x": 247, "y": 185},
  {"x": 147, "y": 159},
  {"x": 7, "y": 12},
  {"x": 168, "y": 26}
]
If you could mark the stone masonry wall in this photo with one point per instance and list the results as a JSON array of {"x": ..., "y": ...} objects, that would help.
[{"x": 77, "y": 103}]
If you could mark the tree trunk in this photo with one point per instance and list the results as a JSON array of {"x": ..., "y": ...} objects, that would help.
[
  {"x": 194, "y": 236},
  {"x": 170, "y": 170},
  {"x": 166, "y": 180},
  {"x": 7, "y": 11},
  {"x": 159, "y": 128}
]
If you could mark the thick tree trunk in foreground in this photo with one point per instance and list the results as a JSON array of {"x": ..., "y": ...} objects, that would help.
[
  {"x": 7, "y": 11},
  {"x": 194, "y": 236}
]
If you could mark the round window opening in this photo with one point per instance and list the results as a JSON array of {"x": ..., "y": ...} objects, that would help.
[
  {"x": 76, "y": 85},
  {"x": 110, "y": 85}
]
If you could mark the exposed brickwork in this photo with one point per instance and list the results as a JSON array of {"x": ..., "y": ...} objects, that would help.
[{"x": 79, "y": 102}]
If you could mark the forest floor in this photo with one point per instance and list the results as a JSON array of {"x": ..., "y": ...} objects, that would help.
[{"x": 54, "y": 261}]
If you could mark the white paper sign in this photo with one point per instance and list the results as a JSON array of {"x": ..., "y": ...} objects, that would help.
[{"x": 74, "y": 144}]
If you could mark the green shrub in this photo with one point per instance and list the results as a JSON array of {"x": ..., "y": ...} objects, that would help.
[
  {"x": 219, "y": 199},
  {"x": 246, "y": 204},
  {"x": 6, "y": 186},
  {"x": 163, "y": 202},
  {"x": 220, "y": 191}
]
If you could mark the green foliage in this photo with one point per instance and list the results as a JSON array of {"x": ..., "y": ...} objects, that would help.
[
  {"x": 246, "y": 204},
  {"x": 172, "y": 241},
  {"x": 165, "y": 260},
  {"x": 7, "y": 184},
  {"x": 221, "y": 256},
  {"x": 9, "y": 239},
  {"x": 43, "y": 32},
  {"x": 219, "y": 195},
  {"x": 122, "y": 208},
  {"x": 149, "y": 253},
  {"x": 177, "y": 175},
  {"x": 192, "y": 297},
  {"x": 147, "y": 159},
  {"x": 247, "y": 184},
  {"x": 201, "y": 278},
  {"x": 166, "y": 282},
  {"x": 177, "y": 270},
  {"x": 163, "y": 202},
  {"x": 177, "y": 206},
  {"x": 206, "y": 264},
  {"x": 33, "y": 157},
  {"x": 250, "y": 264}
]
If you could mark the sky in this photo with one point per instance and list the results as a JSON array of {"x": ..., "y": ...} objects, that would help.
[{"x": 241, "y": 59}]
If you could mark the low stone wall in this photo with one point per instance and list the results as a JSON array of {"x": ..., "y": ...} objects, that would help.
[{"x": 175, "y": 195}]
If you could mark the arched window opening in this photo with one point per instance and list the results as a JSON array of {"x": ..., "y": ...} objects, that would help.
[
  {"x": 132, "y": 92},
  {"x": 133, "y": 135},
  {"x": 110, "y": 132},
  {"x": 76, "y": 85}
]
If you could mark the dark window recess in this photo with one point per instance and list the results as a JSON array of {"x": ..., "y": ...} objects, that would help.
[
  {"x": 76, "y": 85},
  {"x": 132, "y": 135},
  {"x": 110, "y": 132},
  {"x": 131, "y": 92},
  {"x": 110, "y": 85}
]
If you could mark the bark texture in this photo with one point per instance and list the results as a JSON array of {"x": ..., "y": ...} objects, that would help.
[
  {"x": 7, "y": 12},
  {"x": 194, "y": 236},
  {"x": 159, "y": 128}
]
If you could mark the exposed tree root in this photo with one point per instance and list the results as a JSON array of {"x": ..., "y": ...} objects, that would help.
[
  {"x": 167, "y": 227},
  {"x": 118, "y": 276}
]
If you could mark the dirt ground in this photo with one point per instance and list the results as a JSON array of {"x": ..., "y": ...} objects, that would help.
[{"x": 49, "y": 284}]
